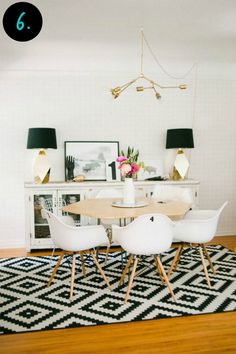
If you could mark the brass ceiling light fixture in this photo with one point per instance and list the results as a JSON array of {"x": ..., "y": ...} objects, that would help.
[{"x": 152, "y": 85}]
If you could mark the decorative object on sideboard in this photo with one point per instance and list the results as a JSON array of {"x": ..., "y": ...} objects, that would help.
[
  {"x": 152, "y": 85},
  {"x": 151, "y": 169},
  {"x": 112, "y": 171},
  {"x": 79, "y": 178},
  {"x": 92, "y": 159},
  {"x": 179, "y": 139},
  {"x": 41, "y": 138},
  {"x": 70, "y": 165},
  {"x": 129, "y": 167}
]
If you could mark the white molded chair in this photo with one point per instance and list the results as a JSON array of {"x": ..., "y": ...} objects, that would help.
[
  {"x": 73, "y": 240},
  {"x": 109, "y": 193},
  {"x": 198, "y": 227},
  {"x": 48, "y": 205},
  {"x": 172, "y": 193},
  {"x": 66, "y": 219},
  {"x": 149, "y": 234}
]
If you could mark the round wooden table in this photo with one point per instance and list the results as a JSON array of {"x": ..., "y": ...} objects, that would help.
[{"x": 103, "y": 209}]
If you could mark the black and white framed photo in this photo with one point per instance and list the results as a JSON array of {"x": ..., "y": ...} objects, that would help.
[{"x": 95, "y": 160}]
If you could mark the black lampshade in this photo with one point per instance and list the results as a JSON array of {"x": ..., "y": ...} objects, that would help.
[
  {"x": 179, "y": 138},
  {"x": 42, "y": 138}
]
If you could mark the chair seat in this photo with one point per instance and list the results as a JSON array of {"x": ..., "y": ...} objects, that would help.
[{"x": 198, "y": 227}]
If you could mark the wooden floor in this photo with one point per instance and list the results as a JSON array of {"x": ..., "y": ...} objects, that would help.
[{"x": 214, "y": 333}]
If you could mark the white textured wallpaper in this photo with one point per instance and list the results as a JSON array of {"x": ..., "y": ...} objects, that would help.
[{"x": 79, "y": 105}]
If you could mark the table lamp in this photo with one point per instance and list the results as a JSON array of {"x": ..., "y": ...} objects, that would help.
[
  {"x": 180, "y": 139},
  {"x": 41, "y": 138}
]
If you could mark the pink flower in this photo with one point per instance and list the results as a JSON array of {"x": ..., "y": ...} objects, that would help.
[
  {"x": 121, "y": 158},
  {"x": 125, "y": 169},
  {"x": 134, "y": 168}
]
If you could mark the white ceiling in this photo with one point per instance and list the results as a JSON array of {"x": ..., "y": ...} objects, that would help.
[{"x": 201, "y": 30}]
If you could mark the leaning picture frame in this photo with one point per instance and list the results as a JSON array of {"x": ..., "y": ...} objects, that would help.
[
  {"x": 94, "y": 160},
  {"x": 152, "y": 168}
]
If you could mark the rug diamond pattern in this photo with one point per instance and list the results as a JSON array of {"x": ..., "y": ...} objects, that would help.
[{"x": 28, "y": 304}]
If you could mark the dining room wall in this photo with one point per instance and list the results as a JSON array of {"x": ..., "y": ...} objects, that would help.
[{"x": 56, "y": 90}]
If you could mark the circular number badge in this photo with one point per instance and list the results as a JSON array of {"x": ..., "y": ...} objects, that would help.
[{"x": 22, "y": 21}]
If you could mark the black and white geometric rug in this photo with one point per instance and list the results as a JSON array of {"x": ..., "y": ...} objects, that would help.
[{"x": 27, "y": 304}]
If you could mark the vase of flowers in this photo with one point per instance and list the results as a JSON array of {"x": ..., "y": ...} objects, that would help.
[
  {"x": 129, "y": 192},
  {"x": 129, "y": 167}
]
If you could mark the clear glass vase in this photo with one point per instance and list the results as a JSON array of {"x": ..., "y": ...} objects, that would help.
[{"x": 129, "y": 192}]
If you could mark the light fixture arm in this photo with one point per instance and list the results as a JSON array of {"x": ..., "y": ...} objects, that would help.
[
  {"x": 161, "y": 86},
  {"x": 117, "y": 90}
]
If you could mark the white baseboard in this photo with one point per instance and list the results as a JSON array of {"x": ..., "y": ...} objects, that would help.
[
  {"x": 21, "y": 244},
  {"x": 226, "y": 233},
  {"x": 12, "y": 244}
]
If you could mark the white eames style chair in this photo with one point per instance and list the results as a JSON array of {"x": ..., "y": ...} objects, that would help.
[
  {"x": 197, "y": 228},
  {"x": 172, "y": 193},
  {"x": 147, "y": 235},
  {"x": 72, "y": 240},
  {"x": 109, "y": 193},
  {"x": 66, "y": 219}
]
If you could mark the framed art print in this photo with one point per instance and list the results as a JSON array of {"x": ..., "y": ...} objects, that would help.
[{"x": 91, "y": 159}]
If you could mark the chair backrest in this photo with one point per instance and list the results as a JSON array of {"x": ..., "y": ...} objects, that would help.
[
  {"x": 109, "y": 193},
  {"x": 198, "y": 226},
  {"x": 115, "y": 193},
  {"x": 47, "y": 204},
  {"x": 67, "y": 219},
  {"x": 72, "y": 238},
  {"x": 148, "y": 234},
  {"x": 173, "y": 193}
]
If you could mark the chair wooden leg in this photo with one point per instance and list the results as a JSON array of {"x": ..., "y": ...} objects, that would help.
[
  {"x": 165, "y": 277},
  {"x": 109, "y": 235},
  {"x": 159, "y": 270},
  {"x": 52, "y": 254},
  {"x": 209, "y": 258},
  {"x": 204, "y": 267},
  {"x": 131, "y": 279},
  {"x": 179, "y": 255},
  {"x": 100, "y": 270},
  {"x": 125, "y": 270},
  {"x": 82, "y": 264},
  {"x": 55, "y": 269},
  {"x": 107, "y": 252},
  {"x": 72, "y": 276},
  {"x": 175, "y": 260}
]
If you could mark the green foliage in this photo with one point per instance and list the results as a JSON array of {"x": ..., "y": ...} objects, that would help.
[{"x": 132, "y": 156}]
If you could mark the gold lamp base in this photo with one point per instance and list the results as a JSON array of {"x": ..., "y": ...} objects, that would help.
[
  {"x": 181, "y": 166},
  {"x": 175, "y": 176},
  {"x": 41, "y": 168}
]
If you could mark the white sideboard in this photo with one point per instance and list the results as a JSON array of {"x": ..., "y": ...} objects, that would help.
[{"x": 55, "y": 195}]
